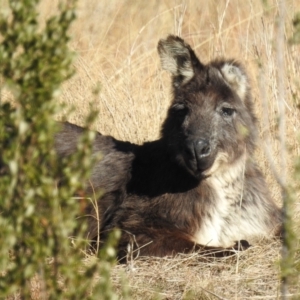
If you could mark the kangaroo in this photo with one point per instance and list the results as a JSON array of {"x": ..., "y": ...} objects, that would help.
[{"x": 198, "y": 184}]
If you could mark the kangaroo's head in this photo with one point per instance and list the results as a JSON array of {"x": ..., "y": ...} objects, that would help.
[{"x": 210, "y": 122}]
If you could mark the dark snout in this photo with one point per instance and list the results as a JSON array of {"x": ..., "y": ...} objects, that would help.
[
  {"x": 197, "y": 154},
  {"x": 201, "y": 148}
]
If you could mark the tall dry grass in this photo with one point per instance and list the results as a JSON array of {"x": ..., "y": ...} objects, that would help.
[{"x": 115, "y": 42}]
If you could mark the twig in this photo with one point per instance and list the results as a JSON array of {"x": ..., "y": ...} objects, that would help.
[
  {"x": 282, "y": 137},
  {"x": 209, "y": 292}
]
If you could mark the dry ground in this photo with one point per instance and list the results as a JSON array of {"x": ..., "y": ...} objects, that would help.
[{"x": 115, "y": 42}]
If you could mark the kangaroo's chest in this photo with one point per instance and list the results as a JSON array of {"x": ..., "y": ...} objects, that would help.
[{"x": 221, "y": 225}]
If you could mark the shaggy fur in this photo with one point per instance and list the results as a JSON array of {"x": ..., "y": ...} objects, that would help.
[{"x": 198, "y": 184}]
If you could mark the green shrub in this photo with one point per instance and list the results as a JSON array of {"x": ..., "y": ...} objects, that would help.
[{"x": 37, "y": 218}]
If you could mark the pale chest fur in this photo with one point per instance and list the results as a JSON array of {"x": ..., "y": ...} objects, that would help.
[{"x": 228, "y": 218}]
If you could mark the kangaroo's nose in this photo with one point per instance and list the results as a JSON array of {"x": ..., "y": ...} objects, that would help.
[
  {"x": 198, "y": 149},
  {"x": 202, "y": 148}
]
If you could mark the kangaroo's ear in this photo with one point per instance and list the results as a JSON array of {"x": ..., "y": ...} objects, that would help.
[
  {"x": 236, "y": 77},
  {"x": 178, "y": 58}
]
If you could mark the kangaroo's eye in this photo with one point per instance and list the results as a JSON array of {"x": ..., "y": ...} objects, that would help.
[
  {"x": 227, "y": 111},
  {"x": 180, "y": 109},
  {"x": 179, "y": 106}
]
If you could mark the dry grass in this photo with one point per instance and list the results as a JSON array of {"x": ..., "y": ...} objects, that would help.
[
  {"x": 251, "y": 275},
  {"x": 115, "y": 42}
]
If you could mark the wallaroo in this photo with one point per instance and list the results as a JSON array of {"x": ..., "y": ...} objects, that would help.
[{"x": 197, "y": 185}]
